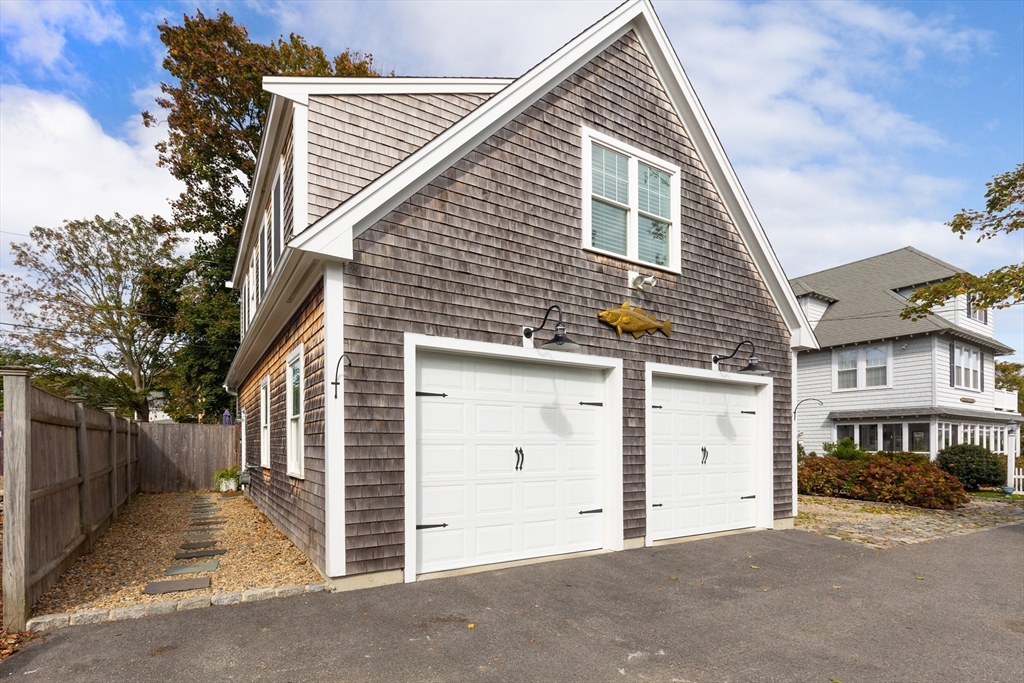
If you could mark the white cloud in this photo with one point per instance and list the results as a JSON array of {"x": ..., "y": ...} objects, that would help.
[
  {"x": 35, "y": 33},
  {"x": 57, "y": 163}
]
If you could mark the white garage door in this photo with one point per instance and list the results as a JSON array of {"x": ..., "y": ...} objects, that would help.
[
  {"x": 702, "y": 457},
  {"x": 510, "y": 461}
]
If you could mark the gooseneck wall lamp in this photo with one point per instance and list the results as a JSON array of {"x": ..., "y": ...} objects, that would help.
[
  {"x": 560, "y": 342},
  {"x": 753, "y": 368},
  {"x": 337, "y": 382}
]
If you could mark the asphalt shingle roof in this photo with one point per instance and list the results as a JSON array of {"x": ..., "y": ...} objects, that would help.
[{"x": 865, "y": 306}]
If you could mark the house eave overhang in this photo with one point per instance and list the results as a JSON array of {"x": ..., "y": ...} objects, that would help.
[
  {"x": 299, "y": 88},
  {"x": 333, "y": 235},
  {"x": 997, "y": 348},
  {"x": 292, "y": 282},
  {"x": 922, "y": 412}
]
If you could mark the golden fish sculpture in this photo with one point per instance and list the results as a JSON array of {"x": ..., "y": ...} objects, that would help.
[{"x": 626, "y": 318}]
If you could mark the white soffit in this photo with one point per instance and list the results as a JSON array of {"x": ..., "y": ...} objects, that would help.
[
  {"x": 299, "y": 88},
  {"x": 332, "y": 235}
]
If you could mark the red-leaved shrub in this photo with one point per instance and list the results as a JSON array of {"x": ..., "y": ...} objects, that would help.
[
  {"x": 909, "y": 483},
  {"x": 822, "y": 476}
]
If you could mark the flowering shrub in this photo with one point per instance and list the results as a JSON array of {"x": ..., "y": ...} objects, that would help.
[
  {"x": 904, "y": 456},
  {"x": 822, "y": 476}
]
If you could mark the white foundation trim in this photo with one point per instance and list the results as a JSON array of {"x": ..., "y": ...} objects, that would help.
[
  {"x": 334, "y": 420},
  {"x": 765, "y": 509},
  {"x": 414, "y": 343}
]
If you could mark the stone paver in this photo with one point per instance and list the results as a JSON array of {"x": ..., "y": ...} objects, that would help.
[
  {"x": 885, "y": 525},
  {"x": 158, "y": 587},
  {"x": 177, "y": 569},
  {"x": 199, "y": 553},
  {"x": 198, "y": 546}
]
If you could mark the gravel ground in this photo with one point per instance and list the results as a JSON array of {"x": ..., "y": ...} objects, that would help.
[
  {"x": 142, "y": 543},
  {"x": 884, "y": 525}
]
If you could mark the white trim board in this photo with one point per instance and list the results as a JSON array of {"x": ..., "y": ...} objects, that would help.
[
  {"x": 334, "y": 421},
  {"x": 299, "y": 88},
  {"x": 414, "y": 343},
  {"x": 765, "y": 458}
]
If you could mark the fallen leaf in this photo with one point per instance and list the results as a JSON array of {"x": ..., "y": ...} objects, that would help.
[
  {"x": 837, "y": 587},
  {"x": 470, "y": 625},
  {"x": 920, "y": 578},
  {"x": 673, "y": 578},
  {"x": 765, "y": 590},
  {"x": 754, "y": 566},
  {"x": 533, "y": 640}
]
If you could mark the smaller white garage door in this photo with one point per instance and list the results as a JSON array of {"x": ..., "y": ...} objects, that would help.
[
  {"x": 510, "y": 460},
  {"x": 702, "y": 460}
]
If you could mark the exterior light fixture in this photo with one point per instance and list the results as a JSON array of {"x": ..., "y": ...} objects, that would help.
[
  {"x": 753, "y": 368},
  {"x": 560, "y": 342},
  {"x": 336, "y": 383}
]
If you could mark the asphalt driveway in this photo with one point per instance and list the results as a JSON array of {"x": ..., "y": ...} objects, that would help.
[{"x": 761, "y": 606}]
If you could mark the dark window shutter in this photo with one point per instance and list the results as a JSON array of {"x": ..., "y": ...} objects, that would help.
[
  {"x": 981, "y": 375},
  {"x": 952, "y": 368},
  {"x": 968, "y": 306},
  {"x": 984, "y": 316}
]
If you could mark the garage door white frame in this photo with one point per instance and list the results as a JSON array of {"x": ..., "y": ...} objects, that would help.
[
  {"x": 764, "y": 456},
  {"x": 415, "y": 343}
]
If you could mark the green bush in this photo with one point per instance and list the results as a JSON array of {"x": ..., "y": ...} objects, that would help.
[
  {"x": 230, "y": 474},
  {"x": 844, "y": 450},
  {"x": 822, "y": 476},
  {"x": 973, "y": 465},
  {"x": 909, "y": 483}
]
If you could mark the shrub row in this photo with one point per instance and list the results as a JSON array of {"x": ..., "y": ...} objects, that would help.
[{"x": 883, "y": 477}]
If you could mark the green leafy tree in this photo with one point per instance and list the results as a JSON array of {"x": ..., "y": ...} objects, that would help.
[
  {"x": 1002, "y": 287},
  {"x": 79, "y": 304},
  {"x": 215, "y": 109}
]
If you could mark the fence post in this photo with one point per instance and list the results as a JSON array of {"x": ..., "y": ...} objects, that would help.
[
  {"x": 128, "y": 461},
  {"x": 85, "y": 488},
  {"x": 17, "y": 492},
  {"x": 113, "y": 463}
]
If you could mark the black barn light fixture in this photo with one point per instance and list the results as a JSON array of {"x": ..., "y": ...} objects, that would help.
[
  {"x": 753, "y": 368},
  {"x": 560, "y": 342}
]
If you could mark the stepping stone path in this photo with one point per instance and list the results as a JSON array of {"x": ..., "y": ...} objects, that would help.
[{"x": 200, "y": 541}]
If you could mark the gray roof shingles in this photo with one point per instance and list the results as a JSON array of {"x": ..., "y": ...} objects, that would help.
[{"x": 865, "y": 306}]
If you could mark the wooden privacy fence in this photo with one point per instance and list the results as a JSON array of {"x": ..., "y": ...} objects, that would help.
[
  {"x": 68, "y": 471},
  {"x": 184, "y": 457}
]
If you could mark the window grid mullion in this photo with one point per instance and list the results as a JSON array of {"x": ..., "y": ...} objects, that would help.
[{"x": 633, "y": 222}]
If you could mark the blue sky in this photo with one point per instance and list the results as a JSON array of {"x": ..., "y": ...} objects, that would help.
[{"x": 855, "y": 127}]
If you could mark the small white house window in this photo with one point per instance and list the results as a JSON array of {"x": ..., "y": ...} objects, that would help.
[
  {"x": 293, "y": 373},
  {"x": 265, "y": 422},
  {"x": 966, "y": 367},
  {"x": 630, "y": 203},
  {"x": 868, "y": 367},
  {"x": 974, "y": 312}
]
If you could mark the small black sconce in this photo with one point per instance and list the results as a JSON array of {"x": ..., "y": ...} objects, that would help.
[
  {"x": 753, "y": 368},
  {"x": 560, "y": 342},
  {"x": 337, "y": 368}
]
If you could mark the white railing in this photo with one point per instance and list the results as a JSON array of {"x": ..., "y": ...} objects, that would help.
[
  {"x": 1018, "y": 480},
  {"x": 1006, "y": 400}
]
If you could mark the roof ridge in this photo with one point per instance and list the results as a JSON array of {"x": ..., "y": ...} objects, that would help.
[{"x": 871, "y": 258}]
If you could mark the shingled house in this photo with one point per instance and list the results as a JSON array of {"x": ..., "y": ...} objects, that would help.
[
  {"x": 893, "y": 384},
  {"x": 398, "y": 418}
]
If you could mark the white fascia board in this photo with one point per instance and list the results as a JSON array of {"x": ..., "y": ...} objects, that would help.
[
  {"x": 299, "y": 88},
  {"x": 378, "y": 198},
  {"x": 709, "y": 148},
  {"x": 277, "y": 116}
]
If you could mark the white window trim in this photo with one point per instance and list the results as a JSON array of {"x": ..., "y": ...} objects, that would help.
[
  {"x": 291, "y": 446},
  {"x": 265, "y": 422},
  {"x": 243, "y": 441},
  {"x": 862, "y": 368},
  {"x": 957, "y": 346},
  {"x": 590, "y": 136}
]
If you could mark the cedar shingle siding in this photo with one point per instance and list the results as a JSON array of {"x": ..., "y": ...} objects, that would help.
[
  {"x": 295, "y": 506},
  {"x": 355, "y": 139},
  {"x": 488, "y": 245}
]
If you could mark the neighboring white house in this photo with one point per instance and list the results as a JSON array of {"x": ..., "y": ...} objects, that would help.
[{"x": 893, "y": 384}]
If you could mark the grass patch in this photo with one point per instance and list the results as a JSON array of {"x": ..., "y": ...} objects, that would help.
[{"x": 997, "y": 495}]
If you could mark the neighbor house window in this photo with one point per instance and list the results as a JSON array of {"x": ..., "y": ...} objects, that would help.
[
  {"x": 892, "y": 437},
  {"x": 919, "y": 432},
  {"x": 976, "y": 313},
  {"x": 868, "y": 367},
  {"x": 868, "y": 437},
  {"x": 967, "y": 362},
  {"x": 844, "y": 432},
  {"x": 265, "y": 422},
  {"x": 293, "y": 373},
  {"x": 631, "y": 202}
]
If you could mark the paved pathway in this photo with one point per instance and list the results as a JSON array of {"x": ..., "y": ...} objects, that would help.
[
  {"x": 883, "y": 525},
  {"x": 199, "y": 543},
  {"x": 760, "y": 606}
]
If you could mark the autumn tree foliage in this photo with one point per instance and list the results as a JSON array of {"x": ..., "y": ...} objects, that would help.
[
  {"x": 1002, "y": 287},
  {"x": 215, "y": 108}
]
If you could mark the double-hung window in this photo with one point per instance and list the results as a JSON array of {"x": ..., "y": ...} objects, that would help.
[
  {"x": 967, "y": 367},
  {"x": 868, "y": 367},
  {"x": 293, "y": 377},
  {"x": 630, "y": 203},
  {"x": 265, "y": 422}
]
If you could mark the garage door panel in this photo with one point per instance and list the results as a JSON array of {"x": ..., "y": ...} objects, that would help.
[
  {"x": 712, "y": 463},
  {"x": 539, "y": 536},
  {"x": 443, "y": 460},
  {"x": 542, "y": 421},
  {"x": 493, "y": 419},
  {"x": 580, "y": 423},
  {"x": 539, "y": 458},
  {"x": 583, "y": 532},
  {"x": 442, "y": 545},
  {"x": 489, "y": 377},
  {"x": 494, "y": 539},
  {"x": 491, "y": 498},
  {"x": 443, "y": 501},
  {"x": 539, "y": 383},
  {"x": 443, "y": 418},
  {"x": 540, "y": 495},
  {"x": 583, "y": 492},
  {"x": 583, "y": 458},
  {"x": 493, "y": 460}
]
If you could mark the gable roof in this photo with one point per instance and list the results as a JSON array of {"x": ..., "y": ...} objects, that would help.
[
  {"x": 332, "y": 236},
  {"x": 865, "y": 306}
]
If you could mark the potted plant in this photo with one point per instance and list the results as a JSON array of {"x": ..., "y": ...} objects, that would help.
[{"x": 226, "y": 480}]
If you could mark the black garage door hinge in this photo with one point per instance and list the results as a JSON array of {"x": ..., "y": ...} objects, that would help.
[
  {"x": 748, "y": 412},
  {"x": 430, "y": 526},
  {"x": 656, "y": 406},
  {"x": 591, "y": 512},
  {"x": 584, "y": 403},
  {"x": 657, "y": 505},
  {"x": 747, "y": 497},
  {"x": 427, "y": 393}
]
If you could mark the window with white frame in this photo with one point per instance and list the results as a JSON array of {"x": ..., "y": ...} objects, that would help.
[
  {"x": 265, "y": 422},
  {"x": 868, "y": 367},
  {"x": 293, "y": 373},
  {"x": 966, "y": 367},
  {"x": 631, "y": 202},
  {"x": 974, "y": 312}
]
